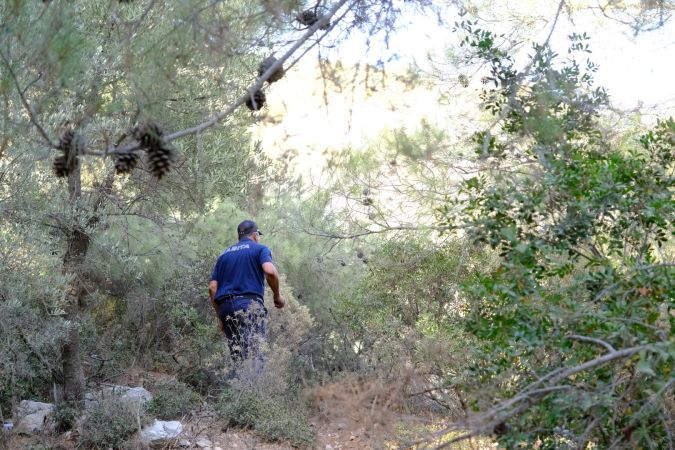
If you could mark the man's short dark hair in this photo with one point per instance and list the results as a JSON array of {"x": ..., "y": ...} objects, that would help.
[{"x": 246, "y": 228}]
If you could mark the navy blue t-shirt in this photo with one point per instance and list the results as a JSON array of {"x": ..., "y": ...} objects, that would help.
[{"x": 239, "y": 269}]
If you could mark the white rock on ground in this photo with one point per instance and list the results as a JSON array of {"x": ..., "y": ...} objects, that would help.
[
  {"x": 125, "y": 394},
  {"x": 203, "y": 442},
  {"x": 160, "y": 431},
  {"x": 33, "y": 417}
]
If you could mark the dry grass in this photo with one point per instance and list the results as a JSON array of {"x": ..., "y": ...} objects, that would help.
[{"x": 357, "y": 405}]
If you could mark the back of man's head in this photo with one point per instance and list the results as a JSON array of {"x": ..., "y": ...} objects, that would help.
[{"x": 247, "y": 228}]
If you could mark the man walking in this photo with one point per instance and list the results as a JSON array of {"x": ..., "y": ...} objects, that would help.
[{"x": 236, "y": 291}]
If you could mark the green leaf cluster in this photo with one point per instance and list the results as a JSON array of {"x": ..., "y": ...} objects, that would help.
[{"x": 583, "y": 228}]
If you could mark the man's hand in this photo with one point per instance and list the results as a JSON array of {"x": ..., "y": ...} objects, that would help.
[{"x": 279, "y": 301}]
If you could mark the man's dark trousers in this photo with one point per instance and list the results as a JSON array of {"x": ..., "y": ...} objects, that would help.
[{"x": 243, "y": 319}]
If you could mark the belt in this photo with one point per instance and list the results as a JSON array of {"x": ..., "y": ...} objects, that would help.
[{"x": 224, "y": 298}]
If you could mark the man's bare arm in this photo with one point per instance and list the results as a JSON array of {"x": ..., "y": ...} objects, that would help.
[
  {"x": 213, "y": 288},
  {"x": 272, "y": 277}
]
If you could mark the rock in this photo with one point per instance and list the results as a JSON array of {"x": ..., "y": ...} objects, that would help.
[
  {"x": 329, "y": 447},
  {"x": 136, "y": 395},
  {"x": 126, "y": 394},
  {"x": 33, "y": 417},
  {"x": 7, "y": 425},
  {"x": 203, "y": 442},
  {"x": 185, "y": 443},
  {"x": 161, "y": 431}
]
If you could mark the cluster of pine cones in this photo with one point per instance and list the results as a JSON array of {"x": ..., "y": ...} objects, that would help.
[
  {"x": 149, "y": 136},
  {"x": 70, "y": 146},
  {"x": 160, "y": 153},
  {"x": 256, "y": 101}
]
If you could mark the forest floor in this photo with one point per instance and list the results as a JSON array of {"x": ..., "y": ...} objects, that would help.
[
  {"x": 207, "y": 433},
  {"x": 204, "y": 430}
]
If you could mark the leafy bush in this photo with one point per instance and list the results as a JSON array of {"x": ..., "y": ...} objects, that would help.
[
  {"x": 173, "y": 400},
  {"x": 274, "y": 417},
  {"x": 575, "y": 323},
  {"x": 109, "y": 425},
  {"x": 204, "y": 380},
  {"x": 65, "y": 416}
]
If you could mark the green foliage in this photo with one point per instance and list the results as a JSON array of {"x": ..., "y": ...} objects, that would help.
[
  {"x": 275, "y": 417},
  {"x": 173, "y": 400},
  {"x": 584, "y": 236},
  {"x": 30, "y": 360},
  {"x": 408, "y": 310},
  {"x": 421, "y": 144},
  {"x": 110, "y": 424},
  {"x": 65, "y": 416}
]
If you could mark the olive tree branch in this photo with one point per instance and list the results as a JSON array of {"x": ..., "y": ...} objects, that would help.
[{"x": 340, "y": 236}]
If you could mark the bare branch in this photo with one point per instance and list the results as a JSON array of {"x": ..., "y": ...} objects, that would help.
[
  {"x": 366, "y": 232},
  {"x": 24, "y": 101},
  {"x": 577, "y": 337}
]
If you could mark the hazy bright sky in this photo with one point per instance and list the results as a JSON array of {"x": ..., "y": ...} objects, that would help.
[
  {"x": 635, "y": 70},
  {"x": 632, "y": 68}
]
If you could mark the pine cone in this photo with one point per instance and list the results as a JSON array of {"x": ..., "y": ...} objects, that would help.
[
  {"x": 160, "y": 158},
  {"x": 266, "y": 64},
  {"x": 309, "y": 18},
  {"x": 70, "y": 146},
  {"x": 256, "y": 102},
  {"x": 61, "y": 166},
  {"x": 148, "y": 134},
  {"x": 160, "y": 153},
  {"x": 126, "y": 162}
]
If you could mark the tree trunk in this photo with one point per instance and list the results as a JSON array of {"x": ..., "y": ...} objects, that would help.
[
  {"x": 73, "y": 373},
  {"x": 78, "y": 244},
  {"x": 73, "y": 262}
]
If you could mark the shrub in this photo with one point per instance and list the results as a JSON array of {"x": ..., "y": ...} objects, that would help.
[
  {"x": 286, "y": 423},
  {"x": 274, "y": 417},
  {"x": 109, "y": 425},
  {"x": 173, "y": 400},
  {"x": 65, "y": 416}
]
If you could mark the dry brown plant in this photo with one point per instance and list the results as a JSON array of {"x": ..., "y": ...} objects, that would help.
[{"x": 375, "y": 406}]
